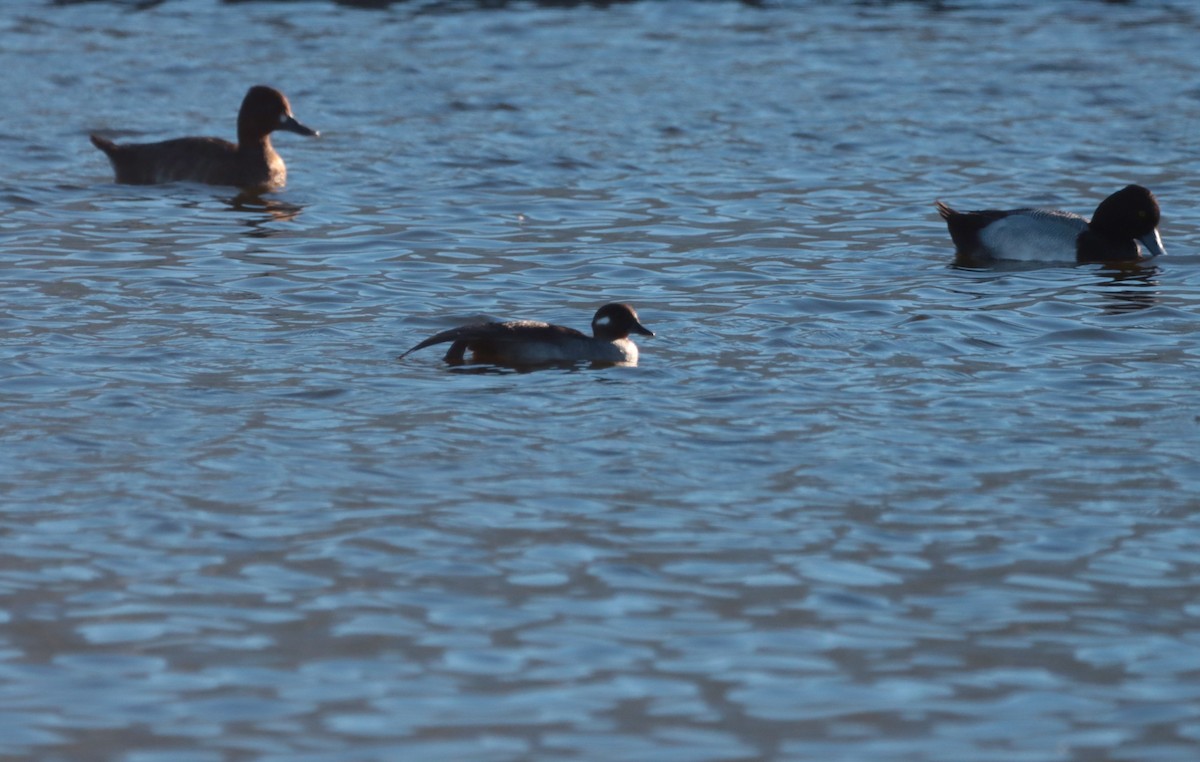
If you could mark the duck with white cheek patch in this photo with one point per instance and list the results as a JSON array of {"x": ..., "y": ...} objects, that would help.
[{"x": 530, "y": 343}]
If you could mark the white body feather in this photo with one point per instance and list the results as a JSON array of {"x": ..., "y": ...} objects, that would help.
[
  {"x": 1034, "y": 235},
  {"x": 585, "y": 349}
]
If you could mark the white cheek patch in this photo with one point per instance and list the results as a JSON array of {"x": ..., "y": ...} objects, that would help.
[{"x": 604, "y": 321}]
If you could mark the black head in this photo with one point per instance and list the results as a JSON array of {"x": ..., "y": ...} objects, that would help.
[
  {"x": 616, "y": 321},
  {"x": 1131, "y": 212},
  {"x": 264, "y": 110}
]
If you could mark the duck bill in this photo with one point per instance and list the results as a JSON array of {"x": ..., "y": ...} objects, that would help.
[
  {"x": 1153, "y": 243},
  {"x": 643, "y": 330},
  {"x": 288, "y": 123}
]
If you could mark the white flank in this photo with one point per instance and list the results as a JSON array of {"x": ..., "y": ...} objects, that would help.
[
  {"x": 621, "y": 351},
  {"x": 1034, "y": 236}
]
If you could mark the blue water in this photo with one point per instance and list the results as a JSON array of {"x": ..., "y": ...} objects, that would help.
[{"x": 853, "y": 504}]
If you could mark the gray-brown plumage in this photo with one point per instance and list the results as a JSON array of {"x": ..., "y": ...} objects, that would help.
[{"x": 251, "y": 163}]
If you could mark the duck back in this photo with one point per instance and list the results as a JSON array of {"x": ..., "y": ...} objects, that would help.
[{"x": 202, "y": 160}]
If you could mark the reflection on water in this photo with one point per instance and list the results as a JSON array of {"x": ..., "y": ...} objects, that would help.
[
  {"x": 855, "y": 502},
  {"x": 1120, "y": 297},
  {"x": 256, "y": 205}
]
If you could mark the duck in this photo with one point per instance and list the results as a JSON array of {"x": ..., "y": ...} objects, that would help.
[
  {"x": 529, "y": 342},
  {"x": 251, "y": 163},
  {"x": 1124, "y": 228}
]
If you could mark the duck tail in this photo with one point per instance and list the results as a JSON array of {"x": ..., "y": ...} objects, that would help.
[
  {"x": 455, "y": 354},
  {"x": 944, "y": 210},
  {"x": 104, "y": 144},
  {"x": 438, "y": 339}
]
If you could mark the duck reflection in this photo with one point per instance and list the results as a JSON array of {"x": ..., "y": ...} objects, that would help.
[
  {"x": 263, "y": 210},
  {"x": 1122, "y": 286},
  {"x": 1130, "y": 287}
]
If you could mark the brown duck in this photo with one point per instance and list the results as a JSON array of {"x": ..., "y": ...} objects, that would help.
[{"x": 251, "y": 163}]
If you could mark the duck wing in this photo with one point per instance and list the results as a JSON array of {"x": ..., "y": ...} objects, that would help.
[
  {"x": 1017, "y": 234},
  {"x": 532, "y": 331},
  {"x": 195, "y": 159}
]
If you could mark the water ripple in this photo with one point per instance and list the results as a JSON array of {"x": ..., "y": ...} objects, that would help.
[{"x": 855, "y": 502}]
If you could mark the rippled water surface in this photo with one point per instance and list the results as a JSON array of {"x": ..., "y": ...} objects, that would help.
[{"x": 854, "y": 504}]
